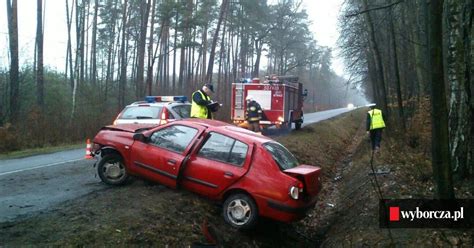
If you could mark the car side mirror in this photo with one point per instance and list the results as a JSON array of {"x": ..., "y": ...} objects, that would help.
[{"x": 140, "y": 137}]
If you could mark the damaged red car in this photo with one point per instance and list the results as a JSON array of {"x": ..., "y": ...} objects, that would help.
[{"x": 252, "y": 175}]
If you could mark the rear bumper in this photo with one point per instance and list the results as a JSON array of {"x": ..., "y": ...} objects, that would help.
[{"x": 288, "y": 211}]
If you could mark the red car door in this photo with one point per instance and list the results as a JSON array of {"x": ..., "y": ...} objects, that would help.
[
  {"x": 161, "y": 157},
  {"x": 219, "y": 163}
]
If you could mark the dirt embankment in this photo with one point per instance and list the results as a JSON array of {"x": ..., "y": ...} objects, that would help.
[
  {"x": 402, "y": 173},
  {"x": 147, "y": 214}
]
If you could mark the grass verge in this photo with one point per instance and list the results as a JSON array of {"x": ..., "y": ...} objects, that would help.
[{"x": 42, "y": 150}]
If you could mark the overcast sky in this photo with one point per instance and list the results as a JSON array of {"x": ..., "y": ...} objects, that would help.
[
  {"x": 324, "y": 16},
  {"x": 322, "y": 13}
]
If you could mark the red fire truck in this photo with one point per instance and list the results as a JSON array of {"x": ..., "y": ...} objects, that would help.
[{"x": 281, "y": 98}]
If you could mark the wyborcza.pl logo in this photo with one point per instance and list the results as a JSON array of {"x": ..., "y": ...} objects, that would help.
[{"x": 419, "y": 213}]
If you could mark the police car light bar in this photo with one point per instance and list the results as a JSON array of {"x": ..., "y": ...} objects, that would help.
[{"x": 151, "y": 99}]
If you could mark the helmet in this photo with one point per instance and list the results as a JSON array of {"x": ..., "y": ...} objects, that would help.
[{"x": 249, "y": 98}]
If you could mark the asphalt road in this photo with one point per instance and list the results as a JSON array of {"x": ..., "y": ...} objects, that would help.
[
  {"x": 33, "y": 184},
  {"x": 323, "y": 115}
]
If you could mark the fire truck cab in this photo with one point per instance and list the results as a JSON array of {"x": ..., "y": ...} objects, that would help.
[{"x": 281, "y": 99}]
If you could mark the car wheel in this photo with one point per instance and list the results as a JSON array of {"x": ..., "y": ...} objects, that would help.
[
  {"x": 111, "y": 170},
  {"x": 240, "y": 211}
]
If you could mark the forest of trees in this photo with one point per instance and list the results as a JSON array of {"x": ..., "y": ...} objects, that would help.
[
  {"x": 409, "y": 54},
  {"x": 118, "y": 51}
]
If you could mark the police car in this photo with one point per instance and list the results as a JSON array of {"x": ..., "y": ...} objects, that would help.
[{"x": 155, "y": 110}]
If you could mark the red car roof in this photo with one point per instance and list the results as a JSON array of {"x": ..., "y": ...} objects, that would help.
[
  {"x": 211, "y": 125},
  {"x": 224, "y": 128}
]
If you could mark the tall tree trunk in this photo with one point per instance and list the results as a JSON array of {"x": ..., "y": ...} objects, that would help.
[
  {"x": 69, "y": 45},
  {"x": 112, "y": 47},
  {"x": 166, "y": 51},
  {"x": 244, "y": 43},
  {"x": 440, "y": 138},
  {"x": 161, "y": 56},
  {"x": 86, "y": 76},
  {"x": 204, "y": 53},
  {"x": 144, "y": 11},
  {"x": 93, "y": 73},
  {"x": 401, "y": 114},
  {"x": 182, "y": 68},
  {"x": 221, "y": 57},
  {"x": 469, "y": 50},
  {"x": 12, "y": 15},
  {"x": 235, "y": 61},
  {"x": 258, "y": 49},
  {"x": 39, "y": 50},
  {"x": 166, "y": 57},
  {"x": 151, "y": 57},
  {"x": 175, "y": 46},
  {"x": 81, "y": 13},
  {"x": 210, "y": 66},
  {"x": 189, "y": 35},
  {"x": 377, "y": 58},
  {"x": 123, "y": 58},
  {"x": 458, "y": 20},
  {"x": 418, "y": 47}
]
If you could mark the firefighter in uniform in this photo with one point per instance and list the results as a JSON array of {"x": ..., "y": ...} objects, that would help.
[
  {"x": 202, "y": 106},
  {"x": 253, "y": 115},
  {"x": 375, "y": 125}
]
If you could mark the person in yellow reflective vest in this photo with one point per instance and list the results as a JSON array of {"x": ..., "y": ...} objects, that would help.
[
  {"x": 375, "y": 125},
  {"x": 253, "y": 115},
  {"x": 202, "y": 106}
]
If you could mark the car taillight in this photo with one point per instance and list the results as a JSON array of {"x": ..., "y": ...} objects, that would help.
[
  {"x": 300, "y": 186},
  {"x": 295, "y": 191}
]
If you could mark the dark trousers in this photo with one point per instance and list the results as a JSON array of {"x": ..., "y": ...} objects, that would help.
[
  {"x": 375, "y": 138},
  {"x": 254, "y": 126}
]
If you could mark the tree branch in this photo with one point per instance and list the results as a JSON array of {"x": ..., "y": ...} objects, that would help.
[{"x": 376, "y": 8}]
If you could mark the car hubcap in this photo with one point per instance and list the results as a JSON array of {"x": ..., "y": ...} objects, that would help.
[
  {"x": 239, "y": 212},
  {"x": 113, "y": 170}
]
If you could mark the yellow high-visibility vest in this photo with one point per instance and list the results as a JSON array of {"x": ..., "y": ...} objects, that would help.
[
  {"x": 376, "y": 120},
  {"x": 198, "y": 111}
]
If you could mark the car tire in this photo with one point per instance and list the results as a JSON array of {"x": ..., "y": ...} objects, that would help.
[
  {"x": 111, "y": 170},
  {"x": 240, "y": 211}
]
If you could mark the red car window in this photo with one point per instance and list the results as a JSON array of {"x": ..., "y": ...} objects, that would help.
[
  {"x": 175, "y": 138},
  {"x": 281, "y": 155},
  {"x": 238, "y": 153},
  {"x": 225, "y": 149}
]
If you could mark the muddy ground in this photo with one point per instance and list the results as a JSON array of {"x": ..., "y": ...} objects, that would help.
[{"x": 147, "y": 214}]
